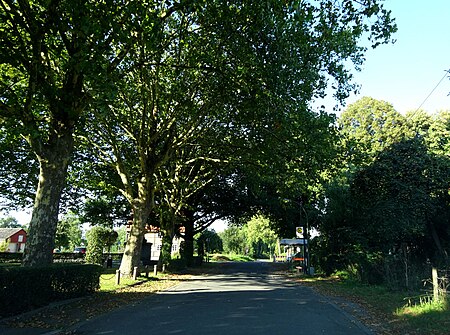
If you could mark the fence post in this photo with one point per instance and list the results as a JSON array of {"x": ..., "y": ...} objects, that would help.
[
  {"x": 434, "y": 276},
  {"x": 117, "y": 277}
]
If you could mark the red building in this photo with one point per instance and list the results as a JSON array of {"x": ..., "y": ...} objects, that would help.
[{"x": 15, "y": 238}]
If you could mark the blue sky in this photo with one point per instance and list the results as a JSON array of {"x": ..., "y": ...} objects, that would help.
[{"x": 406, "y": 72}]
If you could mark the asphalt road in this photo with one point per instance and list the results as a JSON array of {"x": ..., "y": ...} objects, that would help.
[{"x": 246, "y": 298}]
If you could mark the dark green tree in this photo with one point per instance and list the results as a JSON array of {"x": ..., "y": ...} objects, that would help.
[{"x": 208, "y": 241}]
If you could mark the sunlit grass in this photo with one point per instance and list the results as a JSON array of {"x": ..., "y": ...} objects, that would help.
[
  {"x": 422, "y": 308},
  {"x": 230, "y": 258},
  {"x": 108, "y": 280}
]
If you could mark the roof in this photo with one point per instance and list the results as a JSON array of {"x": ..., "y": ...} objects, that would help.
[
  {"x": 8, "y": 232},
  {"x": 293, "y": 241}
]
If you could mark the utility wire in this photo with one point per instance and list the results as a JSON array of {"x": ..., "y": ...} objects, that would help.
[{"x": 440, "y": 81}]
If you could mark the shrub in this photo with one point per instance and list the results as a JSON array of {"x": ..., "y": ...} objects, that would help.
[
  {"x": 11, "y": 257},
  {"x": 26, "y": 288},
  {"x": 99, "y": 238}
]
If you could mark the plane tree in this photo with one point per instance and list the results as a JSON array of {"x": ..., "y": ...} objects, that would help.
[
  {"x": 55, "y": 57},
  {"x": 157, "y": 73}
]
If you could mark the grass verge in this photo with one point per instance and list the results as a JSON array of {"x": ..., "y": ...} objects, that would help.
[
  {"x": 390, "y": 307},
  {"x": 230, "y": 258}
]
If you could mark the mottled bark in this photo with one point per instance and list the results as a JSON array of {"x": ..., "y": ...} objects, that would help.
[
  {"x": 141, "y": 210},
  {"x": 132, "y": 253},
  {"x": 53, "y": 162}
]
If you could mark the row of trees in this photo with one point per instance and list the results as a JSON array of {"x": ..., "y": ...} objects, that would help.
[
  {"x": 155, "y": 106},
  {"x": 386, "y": 215}
]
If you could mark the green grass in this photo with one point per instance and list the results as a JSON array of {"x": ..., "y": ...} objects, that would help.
[
  {"x": 230, "y": 258},
  {"x": 422, "y": 318},
  {"x": 108, "y": 280},
  {"x": 430, "y": 317}
]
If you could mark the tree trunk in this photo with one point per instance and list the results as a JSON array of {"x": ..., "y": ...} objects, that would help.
[
  {"x": 437, "y": 241},
  {"x": 132, "y": 253},
  {"x": 188, "y": 251},
  {"x": 168, "y": 232},
  {"x": 53, "y": 164}
]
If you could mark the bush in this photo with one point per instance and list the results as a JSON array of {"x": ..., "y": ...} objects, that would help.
[
  {"x": 26, "y": 288},
  {"x": 99, "y": 238},
  {"x": 11, "y": 257}
]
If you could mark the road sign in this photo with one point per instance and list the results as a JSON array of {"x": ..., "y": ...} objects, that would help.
[{"x": 299, "y": 232}]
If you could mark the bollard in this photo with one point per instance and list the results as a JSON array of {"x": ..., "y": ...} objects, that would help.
[
  {"x": 117, "y": 277},
  {"x": 434, "y": 276},
  {"x": 146, "y": 271},
  {"x": 135, "y": 273},
  {"x": 163, "y": 268},
  {"x": 155, "y": 270}
]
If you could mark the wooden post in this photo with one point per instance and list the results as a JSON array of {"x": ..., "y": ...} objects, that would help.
[
  {"x": 135, "y": 273},
  {"x": 155, "y": 270},
  {"x": 117, "y": 277},
  {"x": 434, "y": 275}
]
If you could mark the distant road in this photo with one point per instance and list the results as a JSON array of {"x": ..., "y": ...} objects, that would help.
[{"x": 246, "y": 298}]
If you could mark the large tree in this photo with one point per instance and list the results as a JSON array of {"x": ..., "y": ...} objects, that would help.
[
  {"x": 55, "y": 56},
  {"x": 367, "y": 127}
]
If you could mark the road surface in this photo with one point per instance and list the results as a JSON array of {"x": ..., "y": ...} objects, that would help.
[{"x": 246, "y": 298}]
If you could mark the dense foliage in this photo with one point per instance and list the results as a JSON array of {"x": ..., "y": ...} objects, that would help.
[
  {"x": 386, "y": 217},
  {"x": 127, "y": 89}
]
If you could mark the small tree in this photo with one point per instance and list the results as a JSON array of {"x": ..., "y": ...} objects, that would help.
[
  {"x": 209, "y": 241},
  {"x": 3, "y": 246},
  {"x": 233, "y": 240},
  {"x": 99, "y": 238},
  {"x": 9, "y": 222},
  {"x": 68, "y": 232}
]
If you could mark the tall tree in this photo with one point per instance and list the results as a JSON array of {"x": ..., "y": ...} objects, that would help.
[
  {"x": 55, "y": 56},
  {"x": 243, "y": 69},
  {"x": 401, "y": 196},
  {"x": 368, "y": 126}
]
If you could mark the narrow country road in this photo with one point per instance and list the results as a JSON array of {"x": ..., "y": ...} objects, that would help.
[{"x": 246, "y": 298}]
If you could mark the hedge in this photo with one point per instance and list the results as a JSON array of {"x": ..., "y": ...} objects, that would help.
[{"x": 26, "y": 288}]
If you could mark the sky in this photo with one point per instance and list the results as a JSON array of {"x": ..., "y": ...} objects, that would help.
[{"x": 405, "y": 73}]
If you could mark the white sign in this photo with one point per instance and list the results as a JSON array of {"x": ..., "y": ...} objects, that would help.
[{"x": 299, "y": 232}]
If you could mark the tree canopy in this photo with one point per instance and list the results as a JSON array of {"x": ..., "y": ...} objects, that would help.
[
  {"x": 140, "y": 81},
  {"x": 387, "y": 219}
]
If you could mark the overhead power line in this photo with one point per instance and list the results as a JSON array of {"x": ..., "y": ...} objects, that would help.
[{"x": 440, "y": 81}]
